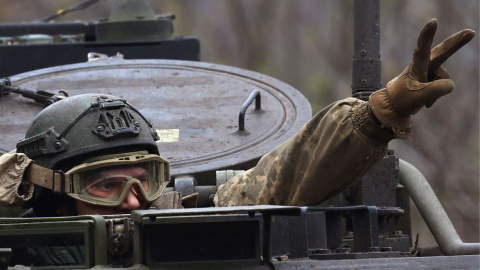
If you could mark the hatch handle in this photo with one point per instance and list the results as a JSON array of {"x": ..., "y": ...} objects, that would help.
[{"x": 255, "y": 95}]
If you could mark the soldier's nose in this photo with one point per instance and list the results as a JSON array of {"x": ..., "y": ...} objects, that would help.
[{"x": 131, "y": 202}]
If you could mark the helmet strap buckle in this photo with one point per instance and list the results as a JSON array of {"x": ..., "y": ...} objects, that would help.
[{"x": 61, "y": 183}]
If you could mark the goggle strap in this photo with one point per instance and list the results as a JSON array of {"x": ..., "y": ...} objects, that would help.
[{"x": 55, "y": 180}]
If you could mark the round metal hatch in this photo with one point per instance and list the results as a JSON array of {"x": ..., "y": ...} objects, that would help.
[{"x": 194, "y": 106}]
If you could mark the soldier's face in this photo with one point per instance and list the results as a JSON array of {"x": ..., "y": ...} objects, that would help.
[{"x": 105, "y": 184}]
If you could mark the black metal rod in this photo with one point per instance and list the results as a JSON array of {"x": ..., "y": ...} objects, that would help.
[
  {"x": 366, "y": 65},
  {"x": 266, "y": 252},
  {"x": 255, "y": 95}
]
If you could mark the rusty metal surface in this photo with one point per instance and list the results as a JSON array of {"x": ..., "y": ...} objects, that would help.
[{"x": 194, "y": 106}]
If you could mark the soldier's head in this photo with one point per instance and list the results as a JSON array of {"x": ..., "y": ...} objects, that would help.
[{"x": 102, "y": 153}]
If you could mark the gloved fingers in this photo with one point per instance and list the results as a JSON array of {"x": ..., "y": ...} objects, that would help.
[
  {"x": 421, "y": 55},
  {"x": 437, "y": 89},
  {"x": 439, "y": 73},
  {"x": 449, "y": 46}
]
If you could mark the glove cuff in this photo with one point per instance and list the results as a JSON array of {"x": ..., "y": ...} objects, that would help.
[
  {"x": 368, "y": 127},
  {"x": 382, "y": 108}
]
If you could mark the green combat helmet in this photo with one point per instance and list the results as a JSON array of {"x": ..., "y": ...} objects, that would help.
[{"x": 78, "y": 128}]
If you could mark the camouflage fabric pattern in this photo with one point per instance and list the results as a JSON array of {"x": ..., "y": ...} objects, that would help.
[
  {"x": 168, "y": 200},
  {"x": 12, "y": 191},
  {"x": 335, "y": 148}
]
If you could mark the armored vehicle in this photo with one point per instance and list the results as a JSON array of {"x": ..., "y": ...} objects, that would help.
[{"x": 214, "y": 121}]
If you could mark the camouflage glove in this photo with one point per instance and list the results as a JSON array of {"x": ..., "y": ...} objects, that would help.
[{"x": 421, "y": 83}]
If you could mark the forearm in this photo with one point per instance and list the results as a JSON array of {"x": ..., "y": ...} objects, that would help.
[{"x": 336, "y": 147}]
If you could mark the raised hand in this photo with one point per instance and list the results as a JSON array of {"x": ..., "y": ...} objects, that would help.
[{"x": 421, "y": 83}]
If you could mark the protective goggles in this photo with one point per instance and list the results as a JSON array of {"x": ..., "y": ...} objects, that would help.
[{"x": 107, "y": 180}]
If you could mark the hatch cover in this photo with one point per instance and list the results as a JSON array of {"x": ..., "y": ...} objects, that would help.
[{"x": 194, "y": 106}]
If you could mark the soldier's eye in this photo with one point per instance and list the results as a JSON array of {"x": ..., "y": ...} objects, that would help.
[{"x": 105, "y": 188}]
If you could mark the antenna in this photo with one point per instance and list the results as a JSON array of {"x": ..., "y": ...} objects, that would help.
[{"x": 366, "y": 64}]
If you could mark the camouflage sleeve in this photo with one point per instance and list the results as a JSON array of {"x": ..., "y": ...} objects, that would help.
[{"x": 335, "y": 148}]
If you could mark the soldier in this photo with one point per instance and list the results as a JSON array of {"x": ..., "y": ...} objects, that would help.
[{"x": 116, "y": 168}]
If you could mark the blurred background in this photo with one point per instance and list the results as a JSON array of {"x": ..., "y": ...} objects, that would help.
[{"x": 309, "y": 45}]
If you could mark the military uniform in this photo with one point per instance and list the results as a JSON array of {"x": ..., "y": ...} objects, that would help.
[{"x": 336, "y": 147}]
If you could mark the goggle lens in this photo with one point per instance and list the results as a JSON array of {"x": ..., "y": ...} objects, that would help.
[{"x": 109, "y": 184}]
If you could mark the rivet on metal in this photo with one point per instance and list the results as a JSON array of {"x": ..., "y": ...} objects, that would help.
[{"x": 58, "y": 145}]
